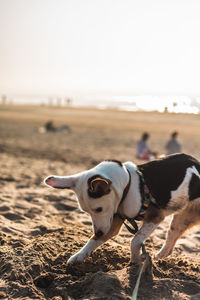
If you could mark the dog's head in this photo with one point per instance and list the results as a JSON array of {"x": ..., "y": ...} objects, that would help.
[{"x": 99, "y": 191}]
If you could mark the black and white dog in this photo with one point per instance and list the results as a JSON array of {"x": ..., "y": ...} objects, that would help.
[{"x": 112, "y": 192}]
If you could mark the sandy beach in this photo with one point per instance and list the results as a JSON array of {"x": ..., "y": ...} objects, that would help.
[{"x": 40, "y": 228}]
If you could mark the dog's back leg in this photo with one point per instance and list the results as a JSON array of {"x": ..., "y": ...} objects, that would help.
[{"x": 185, "y": 219}]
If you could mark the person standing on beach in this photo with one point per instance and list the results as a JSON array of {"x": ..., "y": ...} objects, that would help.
[{"x": 173, "y": 146}]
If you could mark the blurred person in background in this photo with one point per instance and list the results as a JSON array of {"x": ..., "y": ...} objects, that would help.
[
  {"x": 173, "y": 145},
  {"x": 143, "y": 150}
]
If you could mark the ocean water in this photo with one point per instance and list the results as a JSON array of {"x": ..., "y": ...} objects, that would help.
[{"x": 176, "y": 104}]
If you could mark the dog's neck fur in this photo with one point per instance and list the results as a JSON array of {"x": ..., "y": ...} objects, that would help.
[{"x": 126, "y": 207}]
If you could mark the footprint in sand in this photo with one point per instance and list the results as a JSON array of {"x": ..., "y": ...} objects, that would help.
[
  {"x": 32, "y": 212},
  {"x": 54, "y": 198},
  {"x": 4, "y": 208},
  {"x": 8, "y": 179},
  {"x": 62, "y": 206},
  {"x": 89, "y": 223},
  {"x": 41, "y": 230},
  {"x": 13, "y": 216}
]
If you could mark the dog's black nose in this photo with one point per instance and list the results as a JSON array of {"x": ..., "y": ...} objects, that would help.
[{"x": 98, "y": 233}]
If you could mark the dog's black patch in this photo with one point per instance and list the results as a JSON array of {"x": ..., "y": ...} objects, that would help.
[
  {"x": 99, "y": 188},
  {"x": 115, "y": 161},
  {"x": 165, "y": 175},
  {"x": 194, "y": 187}
]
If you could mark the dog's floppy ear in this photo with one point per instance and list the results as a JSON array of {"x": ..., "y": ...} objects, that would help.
[
  {"x": 98, "y": 186},
  {"x": 61, "y": 182}
]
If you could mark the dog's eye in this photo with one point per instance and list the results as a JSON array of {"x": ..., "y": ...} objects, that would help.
[{"x": 99, "y": 209}]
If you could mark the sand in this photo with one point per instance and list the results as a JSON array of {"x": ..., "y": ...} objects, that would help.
[{"x": 41, "y": 227}]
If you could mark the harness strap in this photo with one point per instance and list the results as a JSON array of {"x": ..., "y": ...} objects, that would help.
[
  {"x": 125, "y": 192},
  {"x": 147, "y": 198},
  {"x": 123, "y": 218},
  {"x": 134, "y": 227}
]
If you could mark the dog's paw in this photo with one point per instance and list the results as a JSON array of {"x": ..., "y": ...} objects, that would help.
[
  {"x": 76, "y": 258},
  {"x": 164, "y": 252}
]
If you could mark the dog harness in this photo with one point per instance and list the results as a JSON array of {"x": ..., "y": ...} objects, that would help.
[{"x": 147, "y": 198}]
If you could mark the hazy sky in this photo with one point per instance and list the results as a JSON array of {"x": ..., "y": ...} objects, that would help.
[{"x": 138, "y": 46}]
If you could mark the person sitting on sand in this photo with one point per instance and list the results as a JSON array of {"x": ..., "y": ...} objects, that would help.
[
  {"x": 143, "y": 149},
  {"x": 173, "y": 146},
  {"x": 49, "y": 126}
]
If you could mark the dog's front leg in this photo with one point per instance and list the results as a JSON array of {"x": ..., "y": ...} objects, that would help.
[
  {"x": 91, "y": 245},
  {"x": 95, "y": 242}
]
